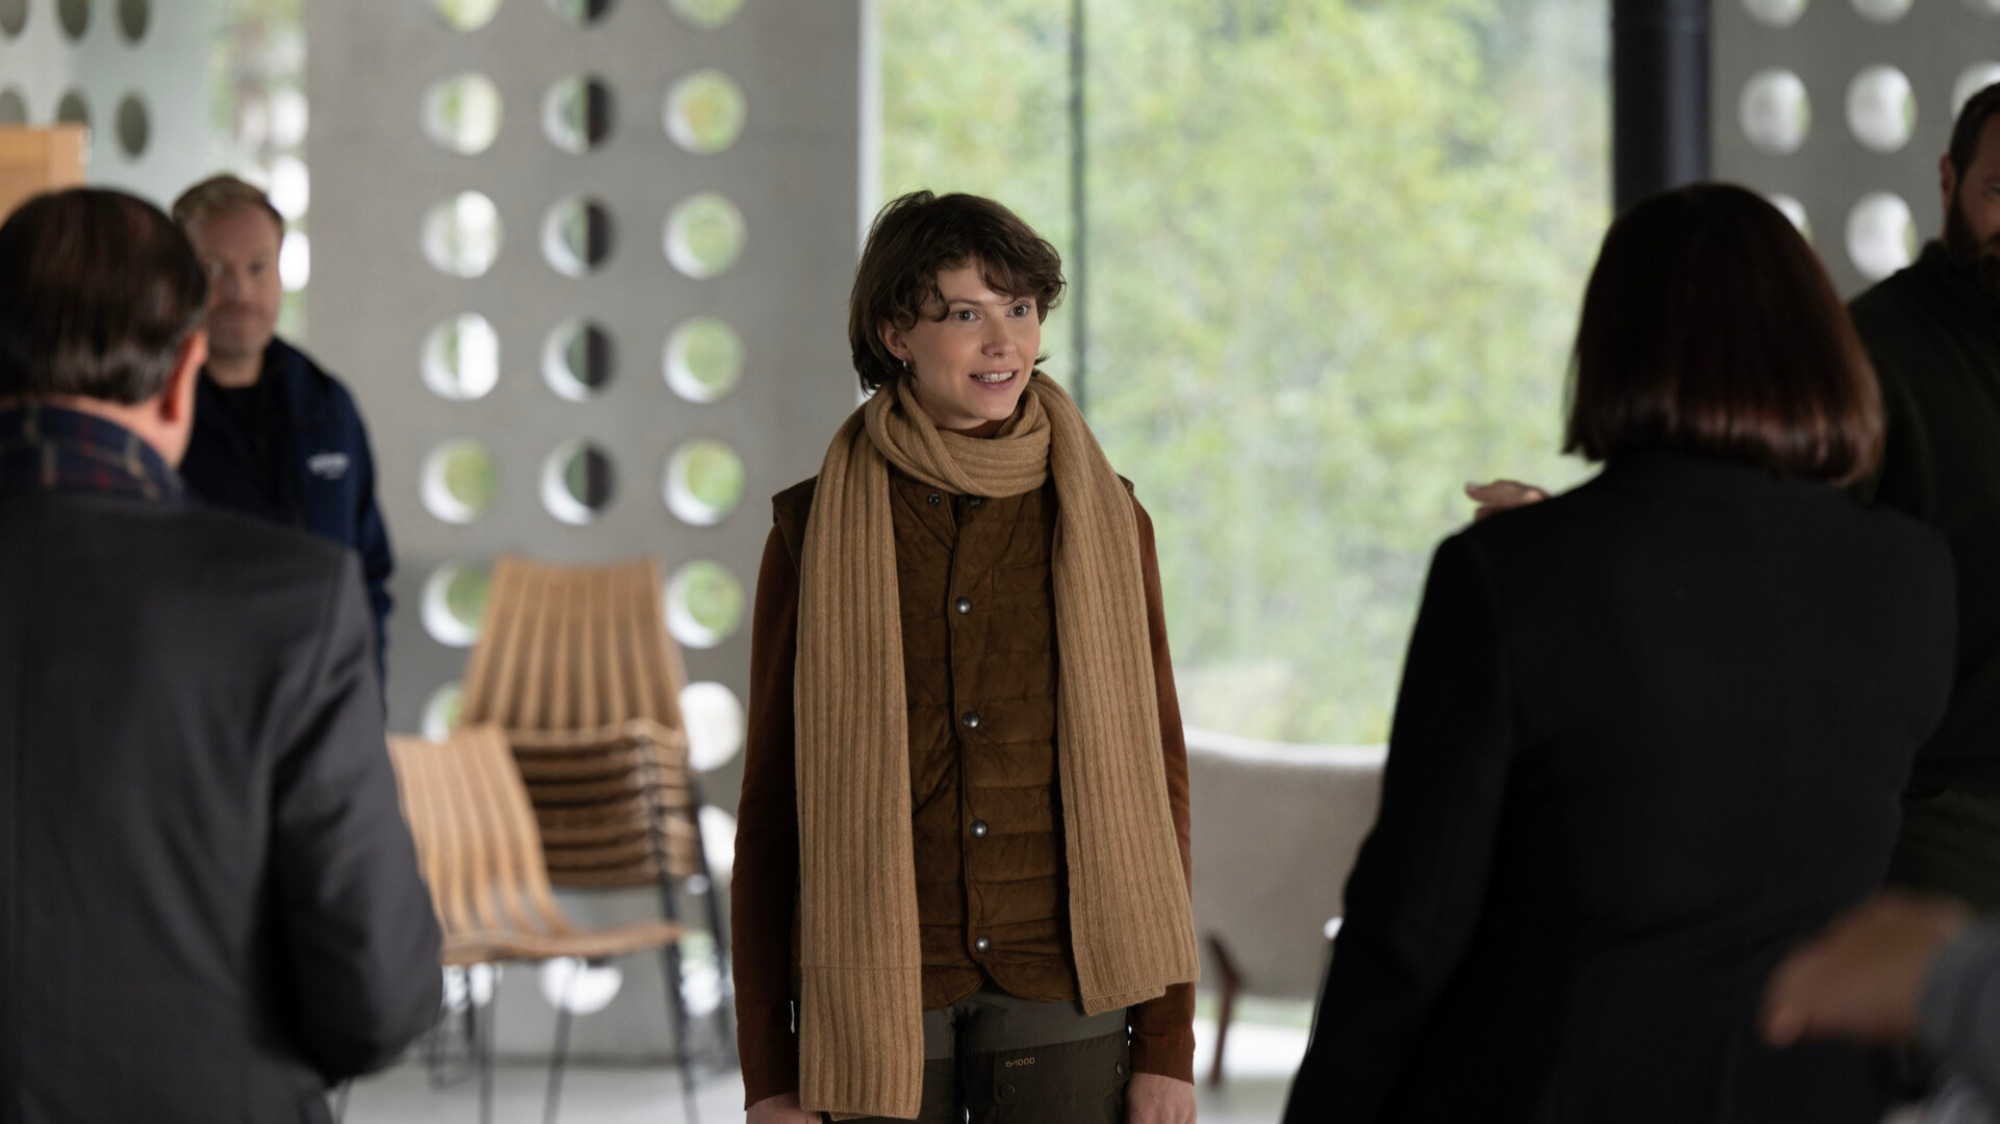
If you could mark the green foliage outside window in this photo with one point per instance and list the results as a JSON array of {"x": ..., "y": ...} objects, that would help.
[{"x": 1336, "y": 250}]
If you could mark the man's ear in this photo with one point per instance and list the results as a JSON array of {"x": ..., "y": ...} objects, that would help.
[
  {"x": 177, "y": 404},
  {"x": 894, "y": 340}
]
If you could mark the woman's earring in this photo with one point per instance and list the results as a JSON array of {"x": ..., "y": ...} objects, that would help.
[{"x": 906, "y": 364}]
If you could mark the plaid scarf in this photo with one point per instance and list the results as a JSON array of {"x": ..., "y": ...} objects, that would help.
[{"x": 50, "y": 449}]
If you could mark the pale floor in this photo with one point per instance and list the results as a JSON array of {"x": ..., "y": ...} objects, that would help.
[{"x": 1259, "y": 1068}]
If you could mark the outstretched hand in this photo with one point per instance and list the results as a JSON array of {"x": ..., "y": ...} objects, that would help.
[
  {"x": 1502, "y": 495},
  {"x": 1863, "y": 977}
]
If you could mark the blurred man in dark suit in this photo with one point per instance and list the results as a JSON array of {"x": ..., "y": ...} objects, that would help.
[
  {"x": 275, "y": 436},
  {"x": 209, "y": 903},
  {"x": 1933, "y": 331}
]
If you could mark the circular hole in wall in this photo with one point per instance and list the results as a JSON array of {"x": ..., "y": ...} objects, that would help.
[
  {"x": 1881, "y": 110},
  {"x": 1881, "y": 235},
  {"x": 576, "y": 236},
  {"x": 289, "y": 117},
  {"x": 13, "y": 17},
  {"x": 1971, "y": 80},
  {"x": 1882, "y": 11},
  {"x": 704, "y": 360},
  {"x": 705, "y": 111},
  {"x": 576, "y": 360},
  {"x": 73, "y": 110},
  {"x": 13, "y": 107},
  {"x": 134, "y": 16},
  {"x": 580, "y": 13},
  {"x": 1794, "y": 211},
  {"x": 462, "y": 113},
  {"x": 1776, "y": 13},
  {"x": 454, "y": 603},
  {"x": 253, "y": 123},
  {"x": 718, "y": 842},
  {"x": 294, "y": 261},
  {"x": 441, "y": 711},
  {"x": 576, "y": 113},
  {"x": 461, "y": 359},
  {"x": 462, "y": 235},
  {"x": 715, "y": 725},
  {"x": 468, "y": 15},
  {"x": 704, "y": 482},
  {"x": 706, "y": 13},
  {"x": 1774, "y": 112},
  {"x": 74, "y": 16},
  {"x": 579, "y": 987},
  {"x": 577, "y": 482},
  {"x": 705, "y": 235},
  {"x": 459, "y": 481},
  {"x": 704, "y": 604},
  {"x": 135, "y": 129},
  {"x": 291, "y": 187}
]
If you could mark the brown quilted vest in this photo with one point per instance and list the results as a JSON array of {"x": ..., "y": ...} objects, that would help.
[{"x": 979, "y": 668}]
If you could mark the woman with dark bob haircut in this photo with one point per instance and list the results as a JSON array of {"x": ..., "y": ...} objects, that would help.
[
  {"x": 1651, "y": 732},
  {"x": 961, "y": 877}
]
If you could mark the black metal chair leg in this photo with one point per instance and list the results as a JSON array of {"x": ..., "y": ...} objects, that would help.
[
  {"x": 484, "y": 1045},
  {"x": 558, "y": 1059},
  {"x": 725, "y": 1027},
  {"x": 670, "y": 958}
]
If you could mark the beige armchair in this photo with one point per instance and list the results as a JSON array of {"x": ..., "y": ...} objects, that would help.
[{"x": 1276, "y": 829}]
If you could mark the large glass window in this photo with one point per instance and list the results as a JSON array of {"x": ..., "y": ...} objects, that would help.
[{"x": 1335, "y": 250}]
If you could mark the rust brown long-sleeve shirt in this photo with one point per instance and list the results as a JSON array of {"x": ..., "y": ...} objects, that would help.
[{"x": 764, "y": 890}]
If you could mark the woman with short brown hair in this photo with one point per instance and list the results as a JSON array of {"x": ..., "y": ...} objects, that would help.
[
  {"x": 962, "y": 845},
  {"x": 1651, "y": 732}
]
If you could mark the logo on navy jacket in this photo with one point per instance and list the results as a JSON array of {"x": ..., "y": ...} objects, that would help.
[{"x": 328, "y": 465}]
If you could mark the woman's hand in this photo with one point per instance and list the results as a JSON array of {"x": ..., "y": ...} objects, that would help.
[
  {"x": 1862, "y": 978},
  {"x": 1153, "y": 1099},
  {"x": 1501, "y": 495},
  {"x": 781, "y": 1109}
]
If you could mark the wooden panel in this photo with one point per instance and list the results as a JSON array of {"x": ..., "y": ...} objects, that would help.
[{"x": 36, "y": 160}]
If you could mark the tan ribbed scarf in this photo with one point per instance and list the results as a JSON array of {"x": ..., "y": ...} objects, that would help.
[{"x": 860, "y": 1011}]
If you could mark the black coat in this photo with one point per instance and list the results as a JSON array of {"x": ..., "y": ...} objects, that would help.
[
  {"x": 209, "y": 902},
  {"x": 1651, "y": 734},
  {"x": 321, "y": 475},
  {"x": 1934, "y": 335}
]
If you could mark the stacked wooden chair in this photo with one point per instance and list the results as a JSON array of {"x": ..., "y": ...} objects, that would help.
[
  {"x": 481, "y": 853},
  {"x": 576, "y": 667}
]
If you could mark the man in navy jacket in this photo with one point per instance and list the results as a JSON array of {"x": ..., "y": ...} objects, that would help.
[{"x": 275, "y": 437}]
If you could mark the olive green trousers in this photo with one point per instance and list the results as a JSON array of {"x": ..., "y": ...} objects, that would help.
[{"x": 995, "y": 1059}]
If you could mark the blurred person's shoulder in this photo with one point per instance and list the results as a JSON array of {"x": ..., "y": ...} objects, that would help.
[
  {"x": 789, "y": 511},
  {"x": 321, "y": 388},
  {"x": 1911, "y": 321}
]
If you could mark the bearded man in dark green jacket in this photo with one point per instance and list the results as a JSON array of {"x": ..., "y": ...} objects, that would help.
[{"x": 1933, "y": 331}]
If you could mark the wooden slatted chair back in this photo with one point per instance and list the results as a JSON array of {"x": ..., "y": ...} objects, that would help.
[
  {"x": 609, "y": 805},
  {"x": 476, "y": 837},
  {"x": 573, "y": 648}
]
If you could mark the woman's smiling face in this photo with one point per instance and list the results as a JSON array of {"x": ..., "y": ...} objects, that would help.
[{"x": 969, "y": 354}]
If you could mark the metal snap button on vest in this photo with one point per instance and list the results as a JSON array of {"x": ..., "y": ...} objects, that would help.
[
  {"x": 1120, "y": 1069},
  {"x": 979, "y": 829},
  {"x": 963, "y": 604},
  {"x": 934, "y": 499},
  {"x": 983, "y": 944},
  {"x": 976, "y": 500},
  {"x": 970, "y": 719},
  {"x": 1007, "y": 1092}
]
